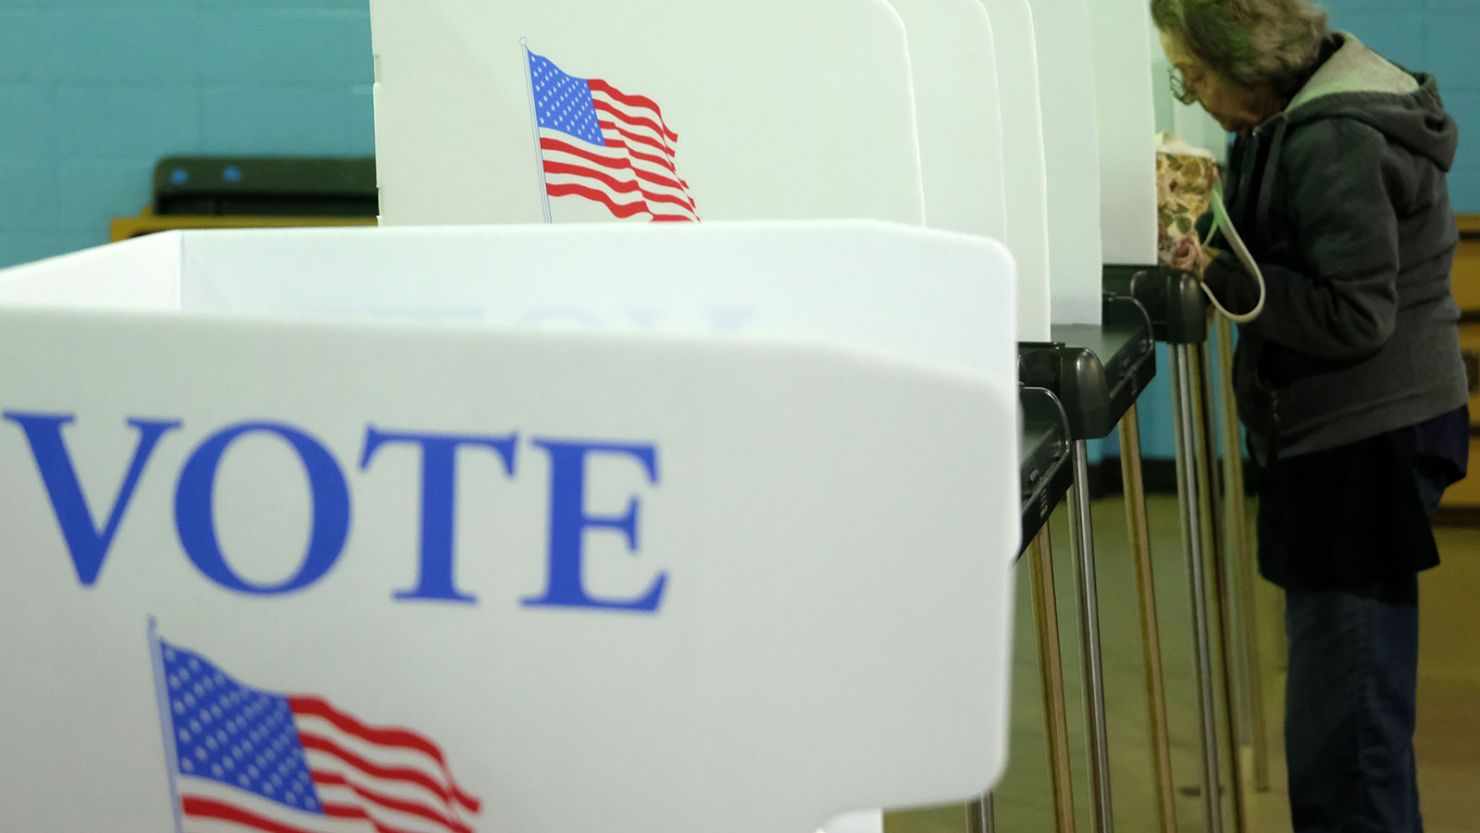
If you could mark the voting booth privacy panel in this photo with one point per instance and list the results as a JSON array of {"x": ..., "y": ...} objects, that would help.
[
  {"x": 443, "y": 560},
  {"x": 1071, "y": 149},
  {"x": 1126, "y": 128},
  {"x": 573, "y": 111},
  {"x": 953, "y": 66},
  {"x": 658, "y": 109},
  {"x": 1024, "y": 179},
  {"x": 962, "y": 113}
]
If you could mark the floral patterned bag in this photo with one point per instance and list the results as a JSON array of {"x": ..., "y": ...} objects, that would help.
[
  {"x": 1187, "y": 188},
  {"x": 1185, "y": 178}
]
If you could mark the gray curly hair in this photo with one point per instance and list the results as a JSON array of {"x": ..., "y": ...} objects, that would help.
[{"x": 1251, "y": 42}]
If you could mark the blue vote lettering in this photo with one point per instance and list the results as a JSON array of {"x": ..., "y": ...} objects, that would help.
[
  {"x": 438, "y": 503},
  {"x": 569, "y": 522},
  {"x": 86, "y": 542},
  {"x": 195, "y": 519}
]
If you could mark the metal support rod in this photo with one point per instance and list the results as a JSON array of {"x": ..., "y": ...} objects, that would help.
[
  {"x": 1226, "y": 549},
  {"x": 1190, "y": 500},
  {"x": 1222, "y": 603},
  {"x": 1229, "y": 610},
  {"x": 1242, "y": 556},
  {"x": 1082, "y": 537},
  {"x": 1051, "y": 675},
  {"x": 982, "y": 815},
  {"x": 1136, "y": 522}
]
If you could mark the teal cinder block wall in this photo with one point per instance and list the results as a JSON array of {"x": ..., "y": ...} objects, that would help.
[{"x": 93, "y": 92}]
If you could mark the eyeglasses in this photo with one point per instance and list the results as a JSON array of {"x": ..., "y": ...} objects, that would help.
[{"x": 1184, "y": 89}]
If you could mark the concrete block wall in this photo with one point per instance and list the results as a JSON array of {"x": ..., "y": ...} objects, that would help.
[
  {"x": 93, "y": 92},
  {"x": 1437, "y": 36}
]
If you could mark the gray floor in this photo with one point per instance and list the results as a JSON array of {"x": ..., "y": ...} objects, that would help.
[{"x": 1449, "y": 724}]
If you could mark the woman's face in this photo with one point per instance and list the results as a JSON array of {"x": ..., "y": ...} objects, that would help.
[{"x": 1238, "y": 109}]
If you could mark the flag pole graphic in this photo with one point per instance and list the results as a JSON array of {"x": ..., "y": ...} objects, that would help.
[
  {"x": 534, "y": 118},
  {"x": 166, "y": 722}
]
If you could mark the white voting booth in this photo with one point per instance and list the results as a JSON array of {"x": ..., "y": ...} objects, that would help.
[
  {"x": 964, "y": 150},
  {"x": 1125, "y": 123},
  {"x": 953, "y": 65},
  {"x": 438, "y": 528},
  {"x": 1025, "y": 180},
  {"x": 1061, "y": 30},
  {"x": 834, "y": 121},
  {"x": 763, "y": 110}
]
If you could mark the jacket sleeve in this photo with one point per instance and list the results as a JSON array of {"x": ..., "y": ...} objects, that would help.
[{"x": 1343, "y": 304}]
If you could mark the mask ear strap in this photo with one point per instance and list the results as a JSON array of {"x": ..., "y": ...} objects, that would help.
[{"x": 1221, "y": 221}]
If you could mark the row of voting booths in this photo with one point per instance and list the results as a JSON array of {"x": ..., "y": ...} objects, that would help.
[{"x": 527, "y": 512}]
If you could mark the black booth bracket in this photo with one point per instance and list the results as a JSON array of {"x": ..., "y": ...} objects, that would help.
[{"x": 1096, "y": 372}]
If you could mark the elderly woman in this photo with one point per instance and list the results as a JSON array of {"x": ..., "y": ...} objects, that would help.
[{"x": 1350, "y": 383}]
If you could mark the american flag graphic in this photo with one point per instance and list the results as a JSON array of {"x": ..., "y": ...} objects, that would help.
[
  {"x": 250, "y": 760},
  {"x": 607, "y": 146}
]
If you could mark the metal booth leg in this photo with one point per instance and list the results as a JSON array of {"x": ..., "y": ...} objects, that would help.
[
  {"x": 1082, "y": 539},
  {"x": 982, "y": 815},
  {"x": 1190, "y": 501},
  {"x": 1136, "y": 522},
  {"x": 1242, "y": 556},
  {"x": 1206, "y": 461},
  {"x": 1051, "y": 674}
]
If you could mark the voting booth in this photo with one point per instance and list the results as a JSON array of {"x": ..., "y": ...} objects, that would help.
[
  {"x": 603, "y": 486},
  {"x": 1025, "y": 179},
  {"x": 570, "y": 111},
  {"x": 781, "y": 111},
  {"x": 612, "y": 129},
  {"x": 436, "y": 529}
]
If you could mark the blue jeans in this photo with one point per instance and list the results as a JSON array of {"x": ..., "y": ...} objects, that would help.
[
  {"x": 1349, "y": 709},
  {"x": 1350, "y": 703}
]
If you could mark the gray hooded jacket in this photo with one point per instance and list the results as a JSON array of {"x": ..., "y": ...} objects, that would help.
[{"x": 1343, "y": 200}]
